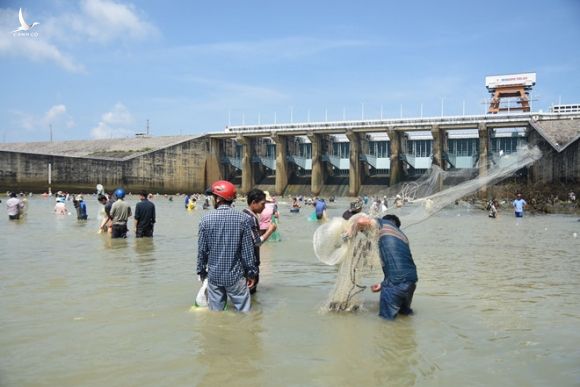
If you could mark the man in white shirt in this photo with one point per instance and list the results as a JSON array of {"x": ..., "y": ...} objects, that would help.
[
  {"x": 519, "y": 205},
  {"x": 14, "y": 207}
]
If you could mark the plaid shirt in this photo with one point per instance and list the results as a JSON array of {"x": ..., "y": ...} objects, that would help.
[{"x": 226, "y": 247}]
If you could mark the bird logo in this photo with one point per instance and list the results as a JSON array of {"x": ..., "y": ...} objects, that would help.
[{"x": 23, "y": 25}]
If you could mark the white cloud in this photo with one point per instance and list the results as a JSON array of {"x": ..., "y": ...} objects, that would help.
[
  {"x": 101, "y": 21},
  {"x": 106, "y": 20},
  {"x": 35, "y": 48},
  {"x": 53, "y": 113},
  {"x": 56, "y": 116},
  {"x": 114, "y": 123}
]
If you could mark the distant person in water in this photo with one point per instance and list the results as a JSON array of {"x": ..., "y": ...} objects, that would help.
[
  {"x": 206, "y": 203},
  {"x": 519, "y": 205},
  {"x": 268, "y": 214},
  {"x": 14, "y": 207},
  {"x": 492, "y": 208},
  {"x": 295, "y": 203},
  {"x": 355, "y": 208},
  {"x": 103, "y": 217},
  {"x": 398, "y": 201},
  {"x": 192, "y": 203},
  {"x": 80, "y": 207},
  {"x": 320, "y": 208},
  {"x": 60, "y": 206},
  {"x": 377, "y": 208},
  {"x": 144, "y": 216},
  {"x": 120, "y": 214}
]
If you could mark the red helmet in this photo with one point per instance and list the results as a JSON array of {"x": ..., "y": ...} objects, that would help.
[{"x": 223, "y": 189}]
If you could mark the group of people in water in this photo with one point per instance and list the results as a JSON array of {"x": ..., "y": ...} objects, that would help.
[
  {"x": 228, "y": 256},
  {"x": 78, "y": 203},
  {"x": 519, "y": 204},
  {"x": 113, "y": 216}
]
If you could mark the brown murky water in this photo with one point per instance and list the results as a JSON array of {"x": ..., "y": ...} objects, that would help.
[{"x": 498, "y": 303}]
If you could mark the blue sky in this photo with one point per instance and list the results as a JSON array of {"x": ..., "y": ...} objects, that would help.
[{"x": 102, "y": 68}]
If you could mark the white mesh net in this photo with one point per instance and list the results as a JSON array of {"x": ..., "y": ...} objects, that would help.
[
  {"x": 431, "y": 202},
  {"x": 356, "y": 259}
]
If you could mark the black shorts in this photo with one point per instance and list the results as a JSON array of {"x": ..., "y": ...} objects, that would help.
[
  {"x": 144, "y": 232},
  {"x": 119, "y": 231}
]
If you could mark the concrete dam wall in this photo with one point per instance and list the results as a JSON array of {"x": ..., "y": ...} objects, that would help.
[
  {"x": 190, "y": 164},
  {"x": 178, "y": 167}
]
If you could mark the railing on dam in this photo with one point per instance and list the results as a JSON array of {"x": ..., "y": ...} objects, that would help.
[{"x": 468, "y": 121}]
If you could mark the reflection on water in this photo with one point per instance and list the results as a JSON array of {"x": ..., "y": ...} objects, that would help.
[{"x": 497, "y": 303}]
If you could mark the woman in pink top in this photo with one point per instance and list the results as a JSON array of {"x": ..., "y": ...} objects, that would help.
[{"x": 270, "y": 211}]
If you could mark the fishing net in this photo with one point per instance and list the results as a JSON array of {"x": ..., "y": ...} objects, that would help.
[
  {"x": 358, "y": 256},
  {"x": 422, "y": 207},
  {"x": 275, "y": 236}
]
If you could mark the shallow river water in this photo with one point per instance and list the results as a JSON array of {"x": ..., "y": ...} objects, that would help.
[{"x": 497, "y": 303}]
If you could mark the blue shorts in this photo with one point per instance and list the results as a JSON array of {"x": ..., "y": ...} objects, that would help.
[
  {"x": 396, "y": 299},
  {"x": 519, "y": 214}
]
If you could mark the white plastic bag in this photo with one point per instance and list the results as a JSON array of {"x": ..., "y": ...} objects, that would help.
[{"x": 201, "y": 298}]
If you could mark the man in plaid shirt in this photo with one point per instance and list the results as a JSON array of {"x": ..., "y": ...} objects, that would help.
[{"x": 226, "y": 251}]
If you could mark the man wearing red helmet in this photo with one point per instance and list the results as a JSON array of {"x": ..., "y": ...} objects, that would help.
[{"x": 225, "y": 253}]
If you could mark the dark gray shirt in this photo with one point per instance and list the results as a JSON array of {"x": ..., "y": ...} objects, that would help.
[{"x": 145, "y": 214}]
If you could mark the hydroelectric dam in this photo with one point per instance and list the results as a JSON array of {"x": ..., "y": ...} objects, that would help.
[{"x": 338, "y": 157}]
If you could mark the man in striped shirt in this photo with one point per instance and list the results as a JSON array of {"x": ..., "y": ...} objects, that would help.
[
  {"x": 226, "y": 251},
  {"x": 400, "y": 272}
]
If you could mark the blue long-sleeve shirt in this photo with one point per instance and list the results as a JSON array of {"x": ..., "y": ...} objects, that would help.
[
  {"x": 81, "y": 208},
  {"x": 226, "y": 247}
]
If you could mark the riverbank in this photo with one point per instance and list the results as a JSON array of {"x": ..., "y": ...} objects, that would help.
[{"x": 541, "y": 198}]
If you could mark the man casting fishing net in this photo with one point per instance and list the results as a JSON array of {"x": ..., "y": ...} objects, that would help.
[
  {"x": 358, "y": 254},
  {"x": 362, "y": 244}
]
